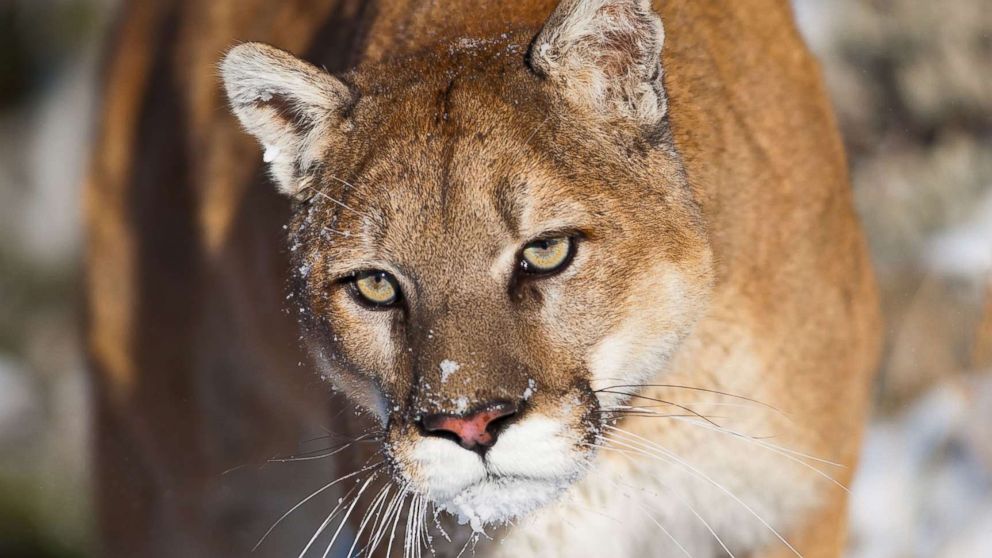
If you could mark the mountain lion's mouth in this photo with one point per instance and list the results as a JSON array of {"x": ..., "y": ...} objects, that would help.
[{"x": 532, "y": 464}]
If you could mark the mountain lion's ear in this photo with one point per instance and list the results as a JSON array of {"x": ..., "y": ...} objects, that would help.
[
  {"x": 605, "y": 54},
  {"x": 292, "y": 107}
]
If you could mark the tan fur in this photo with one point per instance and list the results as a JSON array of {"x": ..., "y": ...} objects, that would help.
[{"x": 720, "y": 271}]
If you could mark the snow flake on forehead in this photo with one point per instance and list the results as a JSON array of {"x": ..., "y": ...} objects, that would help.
[
  {"x": 448, "y": 367},
  {"x": 529, "y": 392}
]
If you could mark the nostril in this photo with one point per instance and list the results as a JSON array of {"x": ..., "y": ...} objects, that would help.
[
  {"x": 473, "y": 430},
  {"x": 500, "y": 417}
]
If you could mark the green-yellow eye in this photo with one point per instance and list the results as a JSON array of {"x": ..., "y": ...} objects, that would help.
[
  {"x": 546, "y": 255},
  {"x": 377, "y": 288}
]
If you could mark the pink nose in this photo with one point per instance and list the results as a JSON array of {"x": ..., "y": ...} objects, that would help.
[{"x": 472, "y": 431}]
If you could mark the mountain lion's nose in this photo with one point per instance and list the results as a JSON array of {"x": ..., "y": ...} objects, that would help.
[{"x": 474, "y": 431}]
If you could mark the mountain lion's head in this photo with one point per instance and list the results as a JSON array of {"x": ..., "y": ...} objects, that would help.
[{"x": 494, "y": 242}]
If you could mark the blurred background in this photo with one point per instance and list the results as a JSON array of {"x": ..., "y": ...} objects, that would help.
[{"x": 911, "y": 81}]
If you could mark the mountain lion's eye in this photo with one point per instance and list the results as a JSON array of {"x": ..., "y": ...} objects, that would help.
[
  {"x": 377, "y": 288},
  {"x": 546, "y": 255}
]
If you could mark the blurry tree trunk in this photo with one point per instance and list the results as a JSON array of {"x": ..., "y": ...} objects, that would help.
[{"x": 197, "y": 370}]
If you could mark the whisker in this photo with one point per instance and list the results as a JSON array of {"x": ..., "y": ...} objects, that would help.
[
  {"x": 379, "y": 526},
  {"x": 678, "y": 495},
  {"x": 421, "y": 540},
  {"x": 437, "y": 522},
  {"x": 465, "y": 546},
  {"x": 399, "y": 513},
  {"x": 374, "y": 508},
  {"x": 617, "y": 413},
  {"x": 327, "y": 521},
  {"x": 375, "y": 434},
  {"x": 383, "y": 528},
  {"x": 787, "y": 453},
  {"x": 691, "y": 388},
  {"x": 425, "y": 534},
  {"x": 539, "y": 126},
  {"x": 665, "y": 531},
  {"x": 645, "y": 412},
  {"x": 656, "y": 400},
  {"x": 649, "y": 444},
  {"x": 345, "y": 182},
  {"x": 387, "y": 517},
  {"x": 334, "y": 450},
  {"x": 233, "y": 469},
  {"x": 408, "y": 530},
  {"x": 339, "y": 203},
  {"x": 344, "y": 519},
  {"x": 345, "y": 234},
  {"x": 311, "y": 496}
]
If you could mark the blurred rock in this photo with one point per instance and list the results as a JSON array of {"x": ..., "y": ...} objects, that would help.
[
  {"x": 924, "y": 487},
  {"x": 20, "y": 403}
]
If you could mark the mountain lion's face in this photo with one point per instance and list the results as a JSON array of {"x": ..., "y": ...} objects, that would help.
[{"x": 490, "y": 249}]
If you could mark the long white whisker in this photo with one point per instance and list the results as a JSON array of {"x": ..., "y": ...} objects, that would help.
[
  {"x": 423, "y": 527},
  {"x": 784, "y": 452},
  {"x": 387, "y": 517},
  {"x": 327, "y": 521},
  {"x": 638, "y": 453},
  {"x": 345, "y": 182},
  {"x": 419, "y": 527},
  {"x": 326, "y": 452},
  {"x": 396, "y": 522},
  {"x": 408, "y": 532},
  {"x": 339, "y": 203},
  {"x": 373, "y": 508},
  {"x": 437, "y": 522},
  {"x": 310, "y": 497},
  {"x": 465, "y": 546},
  {"x": 325, "y": 455},
  {"x": 649, "y": 444},
  {"x": 788, "y": 453},
  {"x": 716, "y": 392},
  {"x": 378, "y": 525},
  {"x": 413, "y": 535},
  {"x": 344, "y": 519},
  {"x": 665, "y": 531}
]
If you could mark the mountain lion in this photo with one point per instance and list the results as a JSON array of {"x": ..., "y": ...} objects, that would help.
[{"x": 592, "y": 269}]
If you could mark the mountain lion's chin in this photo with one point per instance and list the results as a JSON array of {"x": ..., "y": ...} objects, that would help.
[{"x": 498, "y": 500}]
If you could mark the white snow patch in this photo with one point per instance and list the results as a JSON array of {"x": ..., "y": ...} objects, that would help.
[
  {"x": 529, "y": 392},
  {"x": 448, "y": 367},
  {"x": 965, "y": 249},
  {"x": 271, "y": 154},
  {"x": 923, "y": 485},
  {"x": 496, "y": 502}
]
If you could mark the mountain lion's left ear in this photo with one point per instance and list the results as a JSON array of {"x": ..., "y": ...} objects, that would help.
[
  {"x": 295, "y": 109},
  {"x": 605, "y": 54}
]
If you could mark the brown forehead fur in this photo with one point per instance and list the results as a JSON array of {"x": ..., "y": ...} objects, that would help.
[{"x": 440, "y": 159}]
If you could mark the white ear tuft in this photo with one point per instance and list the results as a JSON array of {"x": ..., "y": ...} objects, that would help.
[
  {"x": 606, "y": 56},
  {"x": 293, "y": 108}
]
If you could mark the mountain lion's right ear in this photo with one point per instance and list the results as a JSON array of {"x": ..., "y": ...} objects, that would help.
[
  {"x": 292, "y": 107},
  {"x": 605, "y": 55}
]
